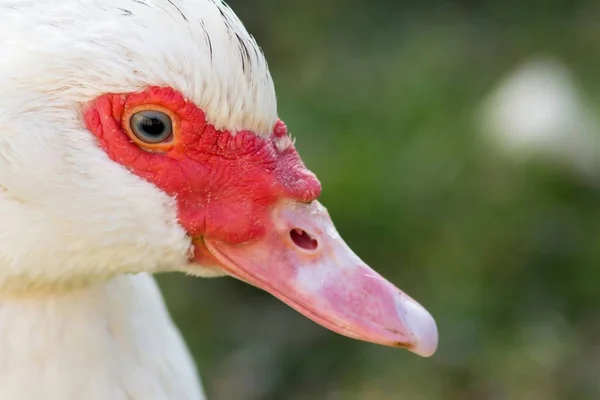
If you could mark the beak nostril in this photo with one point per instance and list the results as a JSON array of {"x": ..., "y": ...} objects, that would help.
[{"x": 303, "y": 240}]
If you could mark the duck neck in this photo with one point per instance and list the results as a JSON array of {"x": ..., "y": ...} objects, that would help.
[{"x": 113, "y": 340}]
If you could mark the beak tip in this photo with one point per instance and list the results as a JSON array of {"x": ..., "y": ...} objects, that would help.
[{"x": 423, "y": 327}]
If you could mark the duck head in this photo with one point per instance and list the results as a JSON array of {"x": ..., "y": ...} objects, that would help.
[{"x": 143, "y": 136}]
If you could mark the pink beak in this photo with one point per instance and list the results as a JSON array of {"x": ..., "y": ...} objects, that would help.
[{"x": 304, "y": 262}]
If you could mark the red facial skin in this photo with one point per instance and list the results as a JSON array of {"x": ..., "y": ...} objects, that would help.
[
  {"x": 224, "y": 183},
  {"x": 241, "y": 198}
]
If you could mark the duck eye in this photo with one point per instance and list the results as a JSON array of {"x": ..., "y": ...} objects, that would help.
[{"x": 151, "y": 126}]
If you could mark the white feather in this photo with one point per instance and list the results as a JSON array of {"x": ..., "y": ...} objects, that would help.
[
  {"x": 73, "y": 221},
  {"x": 109, "y": 341}
]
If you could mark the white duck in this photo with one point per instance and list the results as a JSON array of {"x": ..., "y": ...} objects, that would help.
[{"x": 137, "y": 137}]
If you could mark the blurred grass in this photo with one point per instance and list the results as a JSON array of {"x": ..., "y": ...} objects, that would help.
[{"x": 381, "y": 96}]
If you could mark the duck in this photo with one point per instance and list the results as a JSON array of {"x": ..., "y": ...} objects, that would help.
[{"x": 140, "y": 137}]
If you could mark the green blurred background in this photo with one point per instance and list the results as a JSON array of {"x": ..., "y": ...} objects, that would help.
[{"x": 381, "y": 96}]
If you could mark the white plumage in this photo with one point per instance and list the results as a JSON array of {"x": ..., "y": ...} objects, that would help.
[
  {"x": 108, "y": 341},
  {"x": 59, "y": 189},
  {"x": 80, "y": 234}
]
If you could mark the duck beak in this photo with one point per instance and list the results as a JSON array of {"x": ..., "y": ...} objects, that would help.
[{"x": 304, "y": 262}]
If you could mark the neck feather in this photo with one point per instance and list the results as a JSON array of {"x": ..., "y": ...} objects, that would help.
[{"x": 107, "y": 341}]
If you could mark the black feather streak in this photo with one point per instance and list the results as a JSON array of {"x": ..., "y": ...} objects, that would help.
[
  {"x": 125, "y": 11},
  {"x": 178, "y": 9},
  {"x": 222, "y": 13},
  {"x": 244, "y": 53},
  {"x": 210, "y": 48}
]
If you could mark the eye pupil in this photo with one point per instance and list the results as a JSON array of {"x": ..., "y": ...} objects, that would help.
[{"x": 151, "y": 126}]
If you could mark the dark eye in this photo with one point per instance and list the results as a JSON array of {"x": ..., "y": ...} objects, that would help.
[{"x": 151, "y": 126}]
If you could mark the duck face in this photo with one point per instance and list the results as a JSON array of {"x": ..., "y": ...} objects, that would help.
[{"x": 119, "y": 157}]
